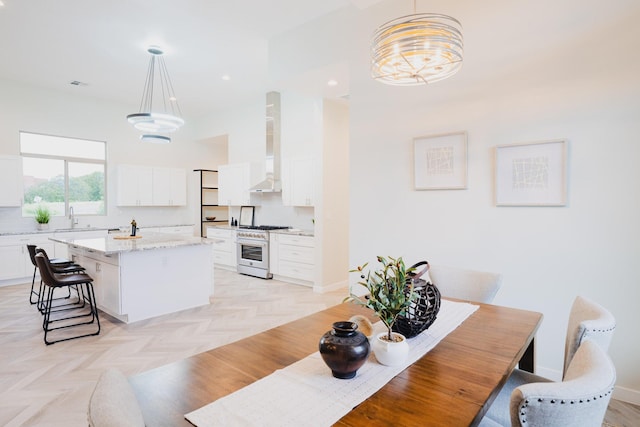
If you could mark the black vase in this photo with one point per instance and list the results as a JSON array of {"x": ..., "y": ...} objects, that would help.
[{"x": 344, "y": 349}]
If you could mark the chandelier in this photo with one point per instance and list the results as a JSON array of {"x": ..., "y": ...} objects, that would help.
[
  {"x": 417, "y": 49},
  {"x": 163, "y": 115}
]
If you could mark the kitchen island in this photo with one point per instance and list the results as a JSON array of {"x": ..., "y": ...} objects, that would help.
[{"x": 152, "y": 275}]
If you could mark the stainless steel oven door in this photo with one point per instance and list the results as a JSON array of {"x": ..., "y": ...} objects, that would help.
[{"x": 253, "y": 257}]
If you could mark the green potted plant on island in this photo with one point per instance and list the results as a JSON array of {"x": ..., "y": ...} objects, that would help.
[
  {"x": 389, "y": 295},
  {"x": 42, "y": 217}
]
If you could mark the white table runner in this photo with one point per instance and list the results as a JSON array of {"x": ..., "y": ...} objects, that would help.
[{"x": 305, "y": 393}]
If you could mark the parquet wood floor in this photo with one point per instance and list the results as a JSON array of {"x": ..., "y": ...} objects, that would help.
[{"x": 50, "y": 385}]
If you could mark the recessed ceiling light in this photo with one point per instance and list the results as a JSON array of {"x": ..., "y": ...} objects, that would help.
[
  {"x": 226, "y": 77},
  {"x": 332, "y": 82}
]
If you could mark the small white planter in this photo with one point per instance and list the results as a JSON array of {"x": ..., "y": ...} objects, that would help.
[
  {"x": 43, "y": 226},
  {"x": 390, "y": 353}
]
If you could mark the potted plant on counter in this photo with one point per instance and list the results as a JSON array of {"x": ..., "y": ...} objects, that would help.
[
  {"x": 389, "y": 295},
  {"x": 42, "y": 217}
]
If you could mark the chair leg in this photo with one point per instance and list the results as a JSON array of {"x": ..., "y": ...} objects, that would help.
[
  {"x": 32, "y": 293},
  {"x": 63, "y": 307},
  {"x": 93, "y": 313}
]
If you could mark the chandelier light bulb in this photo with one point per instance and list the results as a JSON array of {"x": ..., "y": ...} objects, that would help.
[
  {"x": 417, "y": 49},
  {"x": 160, "y": 115}
]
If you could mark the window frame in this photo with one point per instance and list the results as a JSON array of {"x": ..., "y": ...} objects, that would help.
[{"x": 66, "y": 160}]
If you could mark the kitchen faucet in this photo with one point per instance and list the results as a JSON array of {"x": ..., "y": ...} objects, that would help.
[{"x": 72, "y": 217}]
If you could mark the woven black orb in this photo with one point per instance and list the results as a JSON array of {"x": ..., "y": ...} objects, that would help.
[{"x": 423, "y": 309}]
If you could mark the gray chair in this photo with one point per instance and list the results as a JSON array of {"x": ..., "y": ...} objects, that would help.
[
  {"x": 113, "y": 402},
  {"x": 469, "y": 285},
  {"x": 587, "y": 320},
  {"x": 580, "y": 400}
]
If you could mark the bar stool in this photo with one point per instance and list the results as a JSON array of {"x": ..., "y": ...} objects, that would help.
[
  {"x": 54, "y": 281},
  {"x": 60, "y": 268},
  {"x": 57, "y": 262}
]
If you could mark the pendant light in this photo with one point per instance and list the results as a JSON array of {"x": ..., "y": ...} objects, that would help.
[
  {"x": 417, "y": 49},
  {"x": 163, "y": 114}
]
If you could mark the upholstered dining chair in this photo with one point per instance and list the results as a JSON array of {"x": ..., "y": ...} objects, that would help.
[
  {"x": 580, "y": 400},
  {"x": 113, "y": 402},
  {"x": 470, "y": 285},
  {"x": 588, "y": 320}
]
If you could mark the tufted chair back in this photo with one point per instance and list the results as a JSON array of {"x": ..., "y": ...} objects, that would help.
[
  {"x": 468, "y": 285},
  {"x": 580, "y": 400},
  {"x": 587, "y": 321}
]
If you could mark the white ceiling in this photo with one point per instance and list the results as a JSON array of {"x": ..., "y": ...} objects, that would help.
[
  {"x": 103, "y": 44},
  {"x": 50, "y": 43}
]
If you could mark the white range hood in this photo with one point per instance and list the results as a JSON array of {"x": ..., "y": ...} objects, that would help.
[{"x": 271, "y": 183}]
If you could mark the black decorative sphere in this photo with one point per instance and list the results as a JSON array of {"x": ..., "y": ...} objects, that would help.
[{"x": 344, "y": 349}]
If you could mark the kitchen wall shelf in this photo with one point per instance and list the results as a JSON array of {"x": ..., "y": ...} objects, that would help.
[{"x": 209, "y": 194}]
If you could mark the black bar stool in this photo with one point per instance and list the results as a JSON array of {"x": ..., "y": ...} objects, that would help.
[
  {"x": 54, "y": 281},
  {"x": 57, "y": 262},
  {"x": 61, "y": 269}
]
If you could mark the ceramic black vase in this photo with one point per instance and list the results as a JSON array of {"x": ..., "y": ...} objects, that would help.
[{"x": 344, "y": 349}]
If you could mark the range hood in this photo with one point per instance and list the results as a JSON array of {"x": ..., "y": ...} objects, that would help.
[{"x": 271, "y": 183}]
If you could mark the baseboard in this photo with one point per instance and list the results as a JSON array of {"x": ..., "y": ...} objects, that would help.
[
  {"x": 552, "y": 374},
  {"x": 626, "y": 395},
  {"x": 343, "y": 284}
]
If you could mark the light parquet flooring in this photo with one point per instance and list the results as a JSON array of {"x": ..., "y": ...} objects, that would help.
[{"x": 50, "y": 385}]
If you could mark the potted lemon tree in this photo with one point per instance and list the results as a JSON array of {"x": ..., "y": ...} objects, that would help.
[{"x": 389, "y": 295}]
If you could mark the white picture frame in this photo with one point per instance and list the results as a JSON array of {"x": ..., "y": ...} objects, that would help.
[
  {"x": 531, "y": 174},
  {"x": 440, "y": 162}
]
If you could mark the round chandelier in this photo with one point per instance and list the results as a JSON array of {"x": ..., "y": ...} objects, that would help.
[
  {"x": 417, "y": 49},
  {"x": 163, "y": 114}
]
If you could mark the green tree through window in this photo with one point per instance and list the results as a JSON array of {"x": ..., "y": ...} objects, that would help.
[{"x": 61, "y": 173}]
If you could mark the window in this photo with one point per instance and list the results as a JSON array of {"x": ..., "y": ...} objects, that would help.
[{"x": 61, "y": 173}]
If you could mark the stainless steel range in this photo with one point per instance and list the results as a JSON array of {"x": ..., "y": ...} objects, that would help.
[{"x": 253, "y": 250}]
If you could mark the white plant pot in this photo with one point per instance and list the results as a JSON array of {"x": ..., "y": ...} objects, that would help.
[
  {"x": 43, "y": 226},
  {"x": 390, "y": 353}
]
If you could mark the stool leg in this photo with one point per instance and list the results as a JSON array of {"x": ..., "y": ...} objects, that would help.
[{"x": 32, "y": 293}]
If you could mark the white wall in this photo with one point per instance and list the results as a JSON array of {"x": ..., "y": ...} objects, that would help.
[
  {"x": 586, "y": 91},
  {"x": 332, "y": 208},
  {"x": 245, "y": 127},
  {"x": 32, "y": 109}
]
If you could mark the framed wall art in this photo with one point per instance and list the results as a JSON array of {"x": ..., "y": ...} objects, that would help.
[
  {"x": 440, "y": 162},
  {"x": 532, "y": 174}
]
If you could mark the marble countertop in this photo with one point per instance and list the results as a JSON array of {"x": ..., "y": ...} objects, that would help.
[
  {"x": 80, "y": 229},
  {"x": 147, "y": 241}
]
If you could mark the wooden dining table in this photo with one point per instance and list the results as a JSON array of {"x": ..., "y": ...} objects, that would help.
[{"x": 452, "y": 385}]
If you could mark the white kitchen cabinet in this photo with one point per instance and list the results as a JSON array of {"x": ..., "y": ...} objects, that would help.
[
  {"x": 105, "y": 272},
  {"x": 224, "y": 247},
  {"x": 134, "y": 185},
  {"x": 297, "y": 182},
  {"x": 169, "y": 187},
  {"x": 292, "y": 257},
  {"x": 15, "y": 261},
  {"x": 11, "y": 262},
  {"x": 11, "y": 179},
  {"x": 234, "y": 182},
  {"x": 186, "y": 230}
]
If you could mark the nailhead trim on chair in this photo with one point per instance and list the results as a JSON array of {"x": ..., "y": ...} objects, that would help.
[{"x": 523, "y": 412}]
